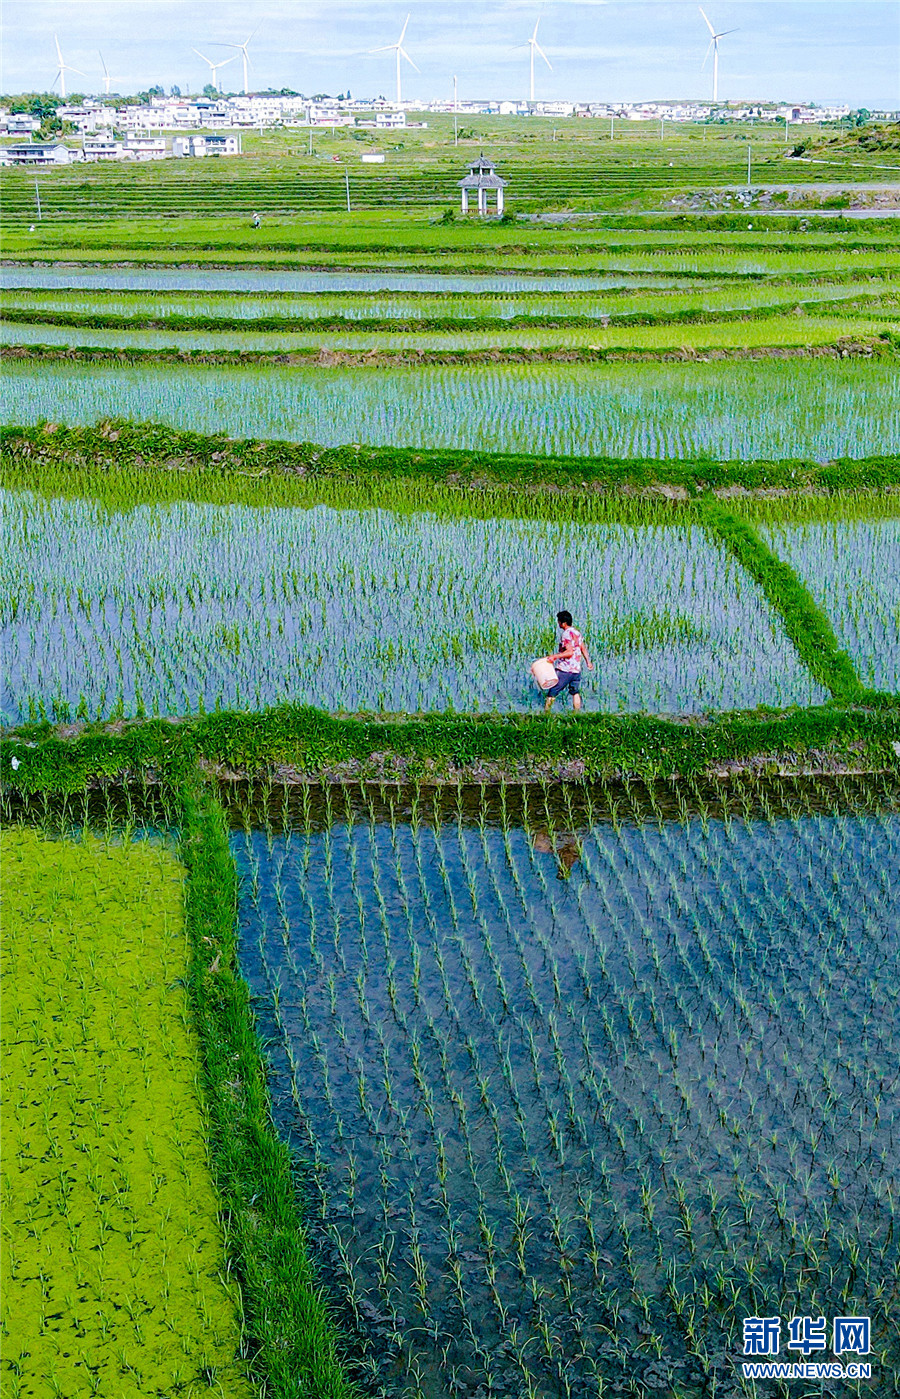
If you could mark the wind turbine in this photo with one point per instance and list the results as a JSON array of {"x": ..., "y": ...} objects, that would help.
[
  {"x": 242, "y": 50},
  {"x": 64, "y": 68},
  {"x": 534, "y": 48},
  {"x": 106, "y": 77},
  {"x": 714, "y": 45},
  {"x": 400, "y": 51},
  {"x": 216, "y": 66}
]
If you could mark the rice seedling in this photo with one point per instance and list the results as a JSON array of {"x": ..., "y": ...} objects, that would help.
[
  {"x": 851, "y": 570},
  {"x": 640, "y": 1124}
]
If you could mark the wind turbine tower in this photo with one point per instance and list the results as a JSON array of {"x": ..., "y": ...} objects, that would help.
[
  {"x": 216, "y": 66},
  {"x": 400, "y": 52},
  {"x": 714, "y": 45},
  {"x": 534, "y": 48},
  {"x": 63, "y": 70},
  {"x": 242, "y": 50}
]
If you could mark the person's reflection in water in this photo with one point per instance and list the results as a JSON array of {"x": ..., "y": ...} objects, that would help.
[{"x": 564, "y": 845}]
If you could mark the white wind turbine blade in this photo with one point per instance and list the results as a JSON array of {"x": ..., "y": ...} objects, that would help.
[
  {"x": 724, "y": 32},
  {"x": 709, "y": 49},
  {"x": 404, "y": 54},
  {"x": 403, "y": 32},
  {"x": 208, "y": 60},
  {"x": 706, "y": 17},
  {"x": 539, "y": 50}
]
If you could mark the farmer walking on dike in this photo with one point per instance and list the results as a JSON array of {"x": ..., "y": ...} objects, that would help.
[{"x": 567, "y": 663}]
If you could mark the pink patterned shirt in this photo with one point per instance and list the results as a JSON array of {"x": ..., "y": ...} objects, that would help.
[{"x": 572, "y": 665}]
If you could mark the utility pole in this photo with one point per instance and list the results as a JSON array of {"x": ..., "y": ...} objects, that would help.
[
  {"x": 37, "y": 197},
  {"x": 347, "y": 185},
  {"x": 455, "y": 111},
  {"x": 662, "y": 128},
  {"x": 612, "y": 122},
  {"x": 749, "y": 159}
]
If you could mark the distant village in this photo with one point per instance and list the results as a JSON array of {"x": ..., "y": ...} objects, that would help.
[{"x": 178, "y": 127}]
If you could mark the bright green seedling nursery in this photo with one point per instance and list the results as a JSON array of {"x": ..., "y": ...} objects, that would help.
[{"x": 114, "y": 1249}]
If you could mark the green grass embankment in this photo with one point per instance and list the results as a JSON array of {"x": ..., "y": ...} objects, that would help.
[
  {"x": 296, "y": 1345},
  {"x": 126, "y": 463},
  {"x": 440, "y": 747},
  {"x": 807, "y": 626},
  {"x": 821, "y": 342}
]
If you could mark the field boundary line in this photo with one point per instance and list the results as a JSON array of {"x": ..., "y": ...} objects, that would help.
[
  {"x": 288, "y": 1316},
  {"x": 881, "y": 344},
  {"x": 807, "y": 625},
  {"x": 174, "y": 461},
  {"x": 307, "y": 744}
]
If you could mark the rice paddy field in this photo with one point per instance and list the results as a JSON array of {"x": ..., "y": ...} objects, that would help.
[
  {"x": 765, "y": 409},
  {"x": 460, "y": 1051},
  {"x": 582, "y": 1080},
  {"x": 150, "y": 612},
  {"x": 852, "y": 570}
]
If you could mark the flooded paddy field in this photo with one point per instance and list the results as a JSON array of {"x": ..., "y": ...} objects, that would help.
[{"x": 577, "y": 1078}]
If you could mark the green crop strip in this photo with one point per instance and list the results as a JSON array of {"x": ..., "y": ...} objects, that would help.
[
  {"x": 107, "y": 320},
  {"x": 113, "y": 1250},
  {"x": 152, "y": 461},
  {"x": 287, "y": 1313},
  {"x": 441, "y": 747},
  {"x": 804, "y": 621}
]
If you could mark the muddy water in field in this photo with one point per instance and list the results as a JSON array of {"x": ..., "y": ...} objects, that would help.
[{"x": 579, "y": 1084}]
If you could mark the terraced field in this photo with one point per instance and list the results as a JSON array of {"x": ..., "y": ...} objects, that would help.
[
  {"x": 277, "y": 174},
  {"x": 578, "y": 1032},
  {"x": 758, "y": 410}
]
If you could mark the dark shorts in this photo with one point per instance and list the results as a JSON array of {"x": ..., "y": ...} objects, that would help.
[{"x": 566, "y": 680}]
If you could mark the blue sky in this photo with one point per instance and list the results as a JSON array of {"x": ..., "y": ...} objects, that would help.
[{"x": 800, "y": 50}]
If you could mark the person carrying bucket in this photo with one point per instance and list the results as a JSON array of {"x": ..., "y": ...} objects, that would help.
[{"x": 566, "y": 665}]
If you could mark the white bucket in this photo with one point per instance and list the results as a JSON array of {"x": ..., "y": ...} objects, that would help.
[{"x": 543, "y": 672}]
